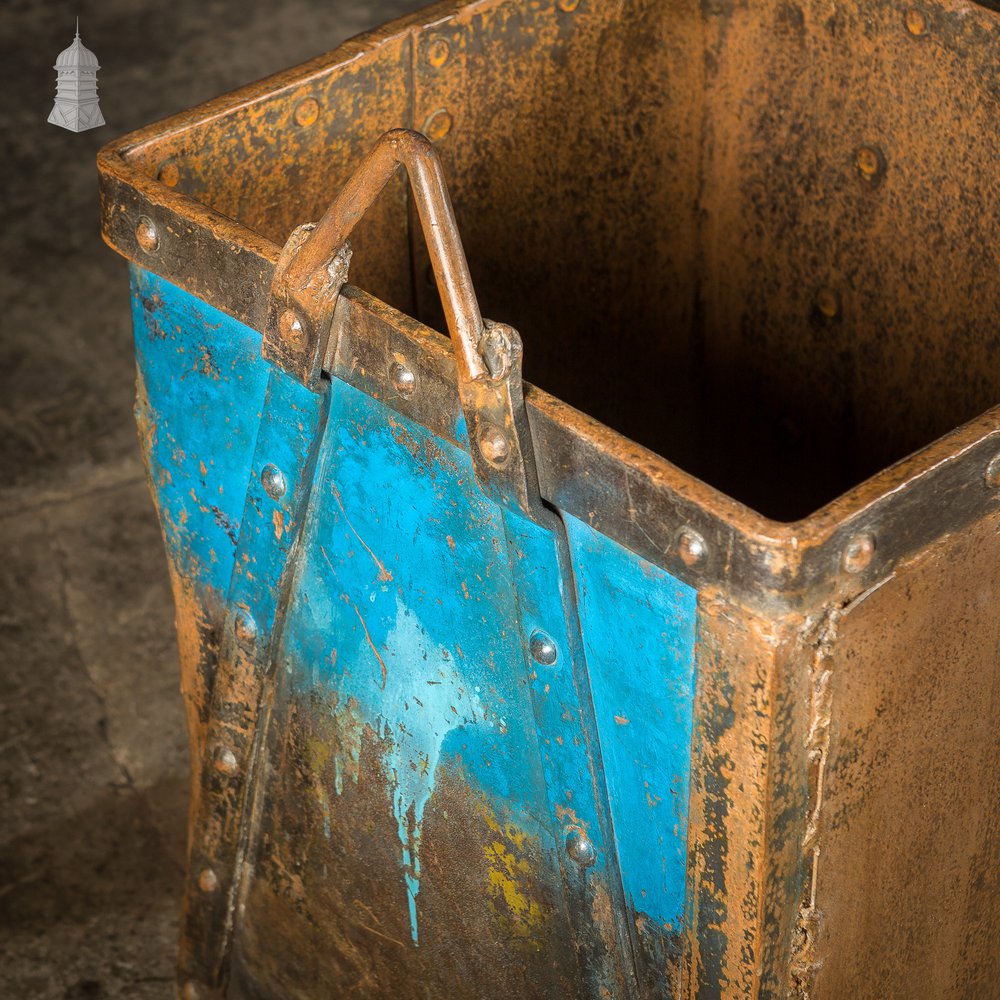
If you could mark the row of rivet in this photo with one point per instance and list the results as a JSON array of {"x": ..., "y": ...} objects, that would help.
[
  {"x": 224, "y": 760},
  {"x": 495, "y": 447},
  {"x": 691, "y": 546},
  {"x": 436, "y": 126},
  {"x": 579, "y": 846}
]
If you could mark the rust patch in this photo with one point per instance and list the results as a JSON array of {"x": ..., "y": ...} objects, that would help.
[{"x": 907, "y": 833}]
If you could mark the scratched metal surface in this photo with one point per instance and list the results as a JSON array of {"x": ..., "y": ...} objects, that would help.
[{"x": 905, "y": 887}]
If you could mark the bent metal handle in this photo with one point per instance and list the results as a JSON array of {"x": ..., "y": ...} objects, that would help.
[
  {"x": 313, "y": 268},
  {"x": 310, "y": 263}
]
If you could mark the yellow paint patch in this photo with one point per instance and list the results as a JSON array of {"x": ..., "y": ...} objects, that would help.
[{"x": 508, "y": 872}]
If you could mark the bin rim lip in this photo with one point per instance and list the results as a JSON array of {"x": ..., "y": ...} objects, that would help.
[{"x": 779, "y": 553}]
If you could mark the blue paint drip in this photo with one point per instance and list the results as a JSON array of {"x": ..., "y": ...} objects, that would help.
[
  {"x": 639, "y": 635},
  {"x": 404, "y": 605}
]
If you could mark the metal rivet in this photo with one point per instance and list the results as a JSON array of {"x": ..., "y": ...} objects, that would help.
[
  {"x": 494, "y": 445},
  {"x": 916, "y": 21},
  {"x": 827, "y": 302},
  {"x": 307, "y": 111},
  {"x": 146, "y": 235},
  {"x": 543, "y": 649},
  {"x": 273, "y": 481},
  {"x": 858, "y": 552},
  {"x": 580, "y": 848},
  {"x": 402, "y": 378},
  {"x": 437, "y": 125},
  {"x": 226, "y": 762},
  {"x": 569, "y": 5},
  {"x": 169, "y": 173},
  {"x": 993, "y": 474},
  {"x": 437, "y": 52},
  {"x": 870, "y": 163},
  {"x": 245, "y": 628},
  {"x": 691, "y": 547},
  {"x": 208, "y": 881},
  {"x": 291, "y": 329}
]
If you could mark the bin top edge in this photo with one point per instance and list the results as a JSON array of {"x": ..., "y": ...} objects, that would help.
[{"x": 352, "y": 48}]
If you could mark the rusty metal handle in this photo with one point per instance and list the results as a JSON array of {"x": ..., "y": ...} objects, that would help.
[
  {"x": 313, "y": 267},
  {"x": 413, "y": 151}
]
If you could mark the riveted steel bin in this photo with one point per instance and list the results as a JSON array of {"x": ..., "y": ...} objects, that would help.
[{"x": 673, "y": 673}]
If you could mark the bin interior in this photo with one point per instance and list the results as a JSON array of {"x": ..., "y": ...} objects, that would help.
[{"x": 761, "y": 242}]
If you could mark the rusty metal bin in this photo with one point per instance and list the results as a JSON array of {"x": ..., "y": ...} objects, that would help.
[{"x": 673, "y": 673}]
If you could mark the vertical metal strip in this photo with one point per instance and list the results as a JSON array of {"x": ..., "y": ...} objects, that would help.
[
  {"x": 574, "y": 772},
  {"x": 291, "y": 426}
]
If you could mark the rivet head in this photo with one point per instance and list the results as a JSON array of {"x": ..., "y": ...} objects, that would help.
[
  {"x": 858, "y": 552},
  {"x": 691, "y": 547},
  {"x": 146, "y": 235},
  {"x": 993, "y": 474},
  {"x": 870, "y": 163},
  {"x": 306, "y": 111},
  {"x": 169, "y": 173},
  {"x": 226, "y": 762},
  {"x": 273, "y": 481},
  {"x": 437, "y": 125},
  {"x": 543, "y": 649},
  {"x": 916, "y": 21},
  {"x": 245, "y": 628},
  {"x": 291, "y": 329},
  {"x": 208, "y": 881},
  {"x": 581, "y": 848},
  {"x": 402, "y": 378},
  {"x": 494, "y": 445},
  {"x": 827, "y": 302},
  {"x": 437, "y": 52}
]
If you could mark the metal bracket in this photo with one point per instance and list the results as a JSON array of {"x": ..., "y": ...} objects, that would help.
[
  {"x": 300, "y": 309},
  {"x": 313, "y": 268}
]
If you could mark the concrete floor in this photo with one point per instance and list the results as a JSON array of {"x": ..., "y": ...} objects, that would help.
[{"x": 93, "y": 767}]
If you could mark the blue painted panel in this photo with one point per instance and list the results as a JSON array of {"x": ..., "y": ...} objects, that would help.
[
  {"x": 287, "y": 440},
  {"x": 639, "y": 634},
  {"x": 558, "y": 712},
  {"x": 204, "y": 381},
  {"x": 403, "y": 607}
]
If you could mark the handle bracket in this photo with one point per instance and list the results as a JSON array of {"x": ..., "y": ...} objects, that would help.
[{"x": 313, "y": 268}]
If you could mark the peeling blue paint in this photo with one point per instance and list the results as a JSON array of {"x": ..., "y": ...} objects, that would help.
[
  {"x": 413, "y": 601},
  {"x": 639, "y": 635},
  {"x": 204, "y": 384}
]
